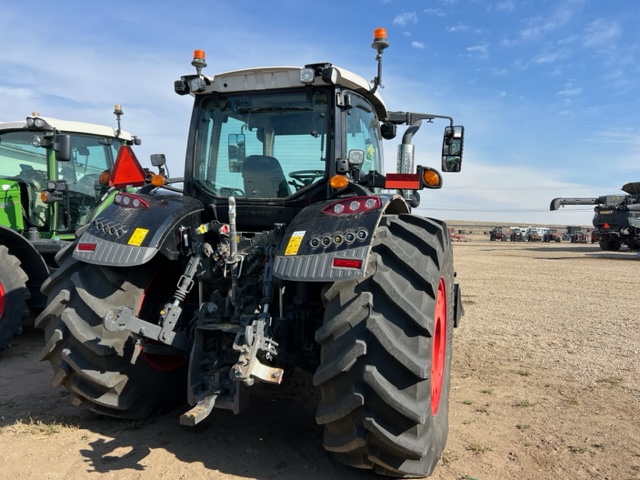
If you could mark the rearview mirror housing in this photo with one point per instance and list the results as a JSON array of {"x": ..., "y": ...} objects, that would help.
[
  {"x": 62, "y": 146},
  {"x": 452, "y": 146}
]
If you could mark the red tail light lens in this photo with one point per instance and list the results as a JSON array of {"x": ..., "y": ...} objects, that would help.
[
  {"x": 347, "y": 263},
  {"x": 402, "y": 181},
  {"x": 86, "y": 247},
  {"x": 353, "y": 205},
  {"x": 129, "y": 200}
]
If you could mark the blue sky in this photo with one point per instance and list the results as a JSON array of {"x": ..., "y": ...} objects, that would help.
[{"x": 547, "y": 90}]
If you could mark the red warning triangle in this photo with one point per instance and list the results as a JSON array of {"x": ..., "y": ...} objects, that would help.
[{"x": 127, "y": 171}]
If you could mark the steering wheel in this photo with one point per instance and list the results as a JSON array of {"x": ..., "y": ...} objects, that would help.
[
  {"x": 305, "y": 177},
  {"x": 30, "y": 173},
  {"x": 89, "y": 185},
  {"x": 230, "y": 191},
  {"x": 223, "y": 191}
]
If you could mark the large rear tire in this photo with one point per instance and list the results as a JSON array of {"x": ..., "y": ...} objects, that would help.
[
  {"x": 104, "y": 369},
  {"x": 386, "y": 347},
  {"x": 13, "y": 297}
]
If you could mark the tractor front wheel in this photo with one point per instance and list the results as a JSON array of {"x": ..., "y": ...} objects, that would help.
[
  {"x": 13, "y": 297},
  {"x": 386, "y": 347}
]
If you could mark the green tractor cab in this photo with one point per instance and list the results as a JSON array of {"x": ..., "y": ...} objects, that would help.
[{"x": 49, "y": 187}]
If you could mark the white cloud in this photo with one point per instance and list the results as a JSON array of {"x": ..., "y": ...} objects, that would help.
[
  {"x": 14, "y": 94},
  {"x": 621, "y": 136},
  {"x": 404, "y": 19},
  {"x": 569, "y": 92},
  {"x": 541, "y": 25},
  {"x": 551, "y": 56},
  {"x": 458, "y": 27},
  {"x": 601, "y": 33},
  {"x": 418, "y": 45},
  {"x": 538, "y": 27},
  {"x": 480, "y": 51},
  {"x": 505, "y": 6},
  {"x": 436, "y": 12}
]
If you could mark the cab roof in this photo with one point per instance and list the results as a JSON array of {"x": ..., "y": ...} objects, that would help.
[
  {"x": 66, "y": 126},
  {"x": 274, "y": 77}
]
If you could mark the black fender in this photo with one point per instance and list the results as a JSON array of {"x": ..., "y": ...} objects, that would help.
[
  {"x": 31, "y": 260},
  {"x": 123, "y": 236},
  {"x": 322, "y": 247}
]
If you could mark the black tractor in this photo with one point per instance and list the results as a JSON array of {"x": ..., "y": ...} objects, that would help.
[
  {"x": 288, "y": 248},
  {"x": 617, "y": 217}
]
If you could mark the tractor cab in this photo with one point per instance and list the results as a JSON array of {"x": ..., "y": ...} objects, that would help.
[
  {"x": 277, "y": 139},
  {"x": 51, "y": 170}
]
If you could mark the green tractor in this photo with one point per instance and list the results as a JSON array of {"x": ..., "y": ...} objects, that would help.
[
  {"x": 49, "y": 187},
  {"x": 289, "y": 248}
]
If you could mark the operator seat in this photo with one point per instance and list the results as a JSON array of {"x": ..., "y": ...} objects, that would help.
[{"x": 264, "y": 178}]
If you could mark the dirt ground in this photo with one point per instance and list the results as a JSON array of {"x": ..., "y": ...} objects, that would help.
[{"x": 545, "y": 385}]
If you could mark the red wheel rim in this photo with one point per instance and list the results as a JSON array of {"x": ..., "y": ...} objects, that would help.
[
  {"x": 1, "y": 299},
  {"x": 162, "y": 363},
  {"x": 439, "y": 346}
]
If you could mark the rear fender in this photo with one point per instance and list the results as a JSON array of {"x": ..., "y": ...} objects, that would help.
[
  {"x": 314, "y": 241},
  {"x": 125, "y": 237}
]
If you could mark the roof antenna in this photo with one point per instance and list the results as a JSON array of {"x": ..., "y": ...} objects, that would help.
[
  {"x": 379, "y": 43},
  {"x": 117, "y": 111}
]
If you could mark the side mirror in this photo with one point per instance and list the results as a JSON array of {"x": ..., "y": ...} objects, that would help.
[
  {"x": 62, "y": 146},
  {"x": 388, "y": 131},
  {"x": 158, "y": 159},
  {"x": 452, "y": 146},
  {"x": 236, "y": 151}
]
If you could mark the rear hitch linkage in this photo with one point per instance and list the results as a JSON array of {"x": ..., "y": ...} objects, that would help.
[{"x": 163, "y": 331}]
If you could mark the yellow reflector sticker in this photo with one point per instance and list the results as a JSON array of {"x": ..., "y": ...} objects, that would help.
[
  {"x": 294, "y": 243},
  {"x": 137, "y": 236}
]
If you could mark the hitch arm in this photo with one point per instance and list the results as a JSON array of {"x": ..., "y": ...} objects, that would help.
[
  {"x": 163, "y": 331},
  {"x": 125, "y": 320}
]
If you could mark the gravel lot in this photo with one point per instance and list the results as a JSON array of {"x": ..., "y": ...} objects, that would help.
[
  {"x": 545, "y": 377},
  {"x": 544, "y": 386}
]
